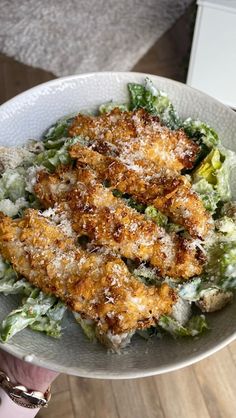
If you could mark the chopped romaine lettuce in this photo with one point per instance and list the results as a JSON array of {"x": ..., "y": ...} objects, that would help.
[
  {"x": 88, "y": 326},
  {"x": 55, "y": 136},
  {"x": 148, "y": 333},
  {"x": 153, "y": 101},
  {"x": 221, "y": 266},
  {"x": 48, "y": 326},
  {"x": 171, "y": 227},
  {"x": 223, "y": 175},
  {"x": 152, "y": 213},
  {"x": 228, "y": 260},
  {"x": 13, "y": 193},
  {"x": 116, "y": 192},
  {"x": 56, "y": 313},
  {"x": 209, "y": 167},
  {"x": 13, "y": 209},
  {"x": 201, "y": 132},
  {"x": 211, "y": 178},
  {"x": 208, "y": 194},
  {"x": 6, "y": 271},
  {"x": 50, "y": 323},
  {"x": 55, "y": 144},
  {"x": 226, "y": 229},
  {"x": 195, "y": 326},
  {"x": 10, "y": 283},
  {"x": 229, "y": 283},
  {"x": 109, "y": 106},
  {"x": 13, "y": 285},
  {"x": 190, "y": 290},
  {"x": 51, "y": 158},
  {"x": 140, "y": 207},
  {"x": 12, "y": 184},
  {"x": 147, "y": 275},
  {"x": 36, "y": 304}
]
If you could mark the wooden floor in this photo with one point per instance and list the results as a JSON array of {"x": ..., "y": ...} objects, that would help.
[{"x": 205, "y": 390}]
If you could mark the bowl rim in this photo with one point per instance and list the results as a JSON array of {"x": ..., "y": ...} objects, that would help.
[
  {"x": 173, "y": 366},
  {"x": 72, "y": 77}
]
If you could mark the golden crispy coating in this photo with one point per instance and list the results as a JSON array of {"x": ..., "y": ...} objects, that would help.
[
  {"x": 167, "y": 191},
  {"x": 137, "y": 136},
  {"x": 108, "y": 221},
  {"x": 52, "y": 188},
  {"x": 98, "y": 286}
]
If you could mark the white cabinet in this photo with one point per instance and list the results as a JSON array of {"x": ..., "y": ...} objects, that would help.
[{"x": 212, "y": 66}]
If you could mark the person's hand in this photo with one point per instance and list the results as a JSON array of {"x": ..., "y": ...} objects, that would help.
[{"x": 26, "y": 374}]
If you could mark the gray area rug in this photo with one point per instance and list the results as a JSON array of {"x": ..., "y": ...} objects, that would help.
[{"x": 76, "y": 36}]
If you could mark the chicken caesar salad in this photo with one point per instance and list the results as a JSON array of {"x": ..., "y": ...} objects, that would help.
[{"x": 123, "y": 217}]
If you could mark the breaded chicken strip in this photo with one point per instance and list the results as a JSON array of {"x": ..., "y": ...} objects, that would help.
[
  {"x": 137, "y": 136},
  {"x": 108, "y": 221},
  {"x": 98, "y": 286},
  {"x": 168, "y": 192}
]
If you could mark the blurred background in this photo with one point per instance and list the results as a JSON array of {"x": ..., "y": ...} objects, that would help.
[
  {"x": 178, "y": 39},
  {"x": 48, "y": 39}
]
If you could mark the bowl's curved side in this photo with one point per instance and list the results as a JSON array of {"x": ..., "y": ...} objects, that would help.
[
  {"x": 74, "y": 355},
  {"x": 47, "y": 102},
  {"x": 27, "y": 116}
]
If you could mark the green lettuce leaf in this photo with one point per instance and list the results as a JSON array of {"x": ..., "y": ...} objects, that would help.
[
  {"x": 51, "y": 158},
  {"x": 209, "y": 167},
  {"x": 227, "y": 261},
  {"x": 148, "y": 333},
  {"x": 226, "y": 229},
  {"x": 195, "y": 326},
  {"x": 51, "y": 322},
  {"x": 47, "y": 326},
  {"x": 13, "y": 285},
  {"x": 211, "y": 179},
  {"x": 190, "y": 290},
  {"x": 10, "y": 283},
  {"x": 130, "y": 201},
  {"x": 147, "y": 275},
  {"x": 201, "y": 133},
  {"x": 109, "y": 106},
  {"x": 199, "y": 288},
  {"x": 140, "y": 207},
  {"x": 6, "y": 271},
  {"x": 55, "y": 136},
  {"x": 221, "y": 266},
  {"x": 153, "y": 101},
  {"x": 12, "y": 184},
  {"x": 208, "y": 194},
  {"x": 152, "y": 213},
  {"x": 88, "y": 326},
  {"x": 36, "y": 305}
]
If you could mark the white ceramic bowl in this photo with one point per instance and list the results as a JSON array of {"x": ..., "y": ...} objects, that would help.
[{"x": 27, "y": 116}]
